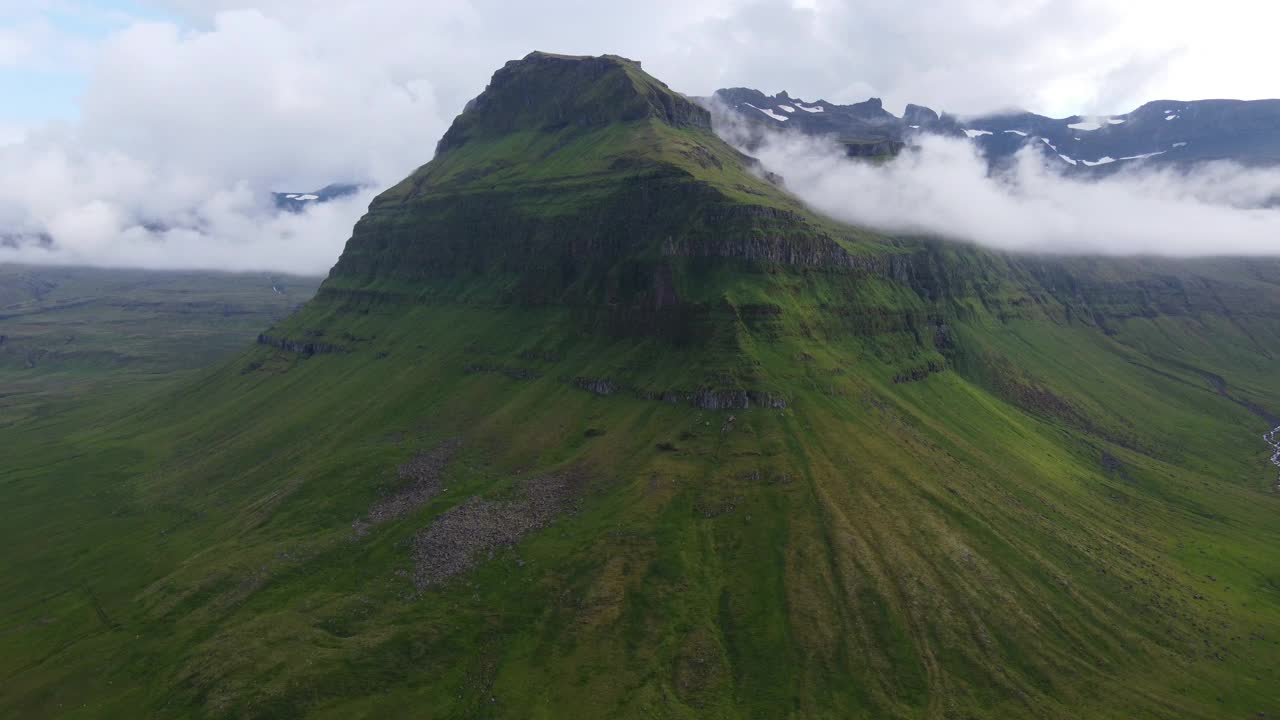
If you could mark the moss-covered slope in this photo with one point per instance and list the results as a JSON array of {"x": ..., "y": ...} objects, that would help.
[{"x": 593, "y": 420}]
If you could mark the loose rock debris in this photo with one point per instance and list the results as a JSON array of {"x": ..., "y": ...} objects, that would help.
[
  {"x": 468, "y": 533},
  {"x": 424, "y": 474}
]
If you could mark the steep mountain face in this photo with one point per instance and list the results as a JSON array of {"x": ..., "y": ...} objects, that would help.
[
  {"x": 865, "y": 129},
  {"x": 865, "y": 119},
  {"x": 589, "y": 184},
  {"x": 593, "y": 419},
  {"x": 1165, "y": 132}
]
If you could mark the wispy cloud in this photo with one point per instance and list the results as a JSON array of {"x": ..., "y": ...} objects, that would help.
[
  {"x": 945, "y": 188},
  {"x": 192, "y": 115}
]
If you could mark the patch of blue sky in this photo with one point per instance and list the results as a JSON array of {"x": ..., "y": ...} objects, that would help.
[{"x": 47, "y": 84}]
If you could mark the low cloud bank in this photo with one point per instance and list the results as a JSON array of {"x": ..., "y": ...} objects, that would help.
[
  {"x": 945, "y": 188},
  {"x": 234, "y": 229},
  {"x": 114, "y": 210},
  {"x": 182, "y": 136},
  {"x": 187, "y": 124}
]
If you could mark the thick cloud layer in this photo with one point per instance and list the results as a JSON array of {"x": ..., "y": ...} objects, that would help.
[
  {"x": 183, "y": 136},
  {"x": 944, "y": 188},
  {"x": 193, "y": 116}
]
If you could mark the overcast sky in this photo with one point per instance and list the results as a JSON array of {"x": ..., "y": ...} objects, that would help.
[{"x": 124, "y": 115}]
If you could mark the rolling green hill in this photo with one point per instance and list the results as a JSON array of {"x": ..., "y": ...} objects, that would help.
[{"x": 593, "y": 419}]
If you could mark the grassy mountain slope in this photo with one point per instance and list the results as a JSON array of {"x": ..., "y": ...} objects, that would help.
[{"x": 591, "y": 419}]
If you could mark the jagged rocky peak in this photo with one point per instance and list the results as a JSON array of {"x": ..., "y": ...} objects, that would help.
[
  {"x": 919, "y": 115},
  {"x": 550, "y": 91},
  {"x": 870, "y": 108}
]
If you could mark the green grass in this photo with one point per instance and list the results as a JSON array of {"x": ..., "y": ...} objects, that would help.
[
  {"x": 72, "y": 333},
  {"x": 876, "y": 550},
  {"x": 1066, "y": 512}
]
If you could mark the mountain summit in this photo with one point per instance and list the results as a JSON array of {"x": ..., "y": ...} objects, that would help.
[
  {"x": 592, "y": 418},
  {"x": 584, "y": 181},
  {"x": 551, "y": 92}
]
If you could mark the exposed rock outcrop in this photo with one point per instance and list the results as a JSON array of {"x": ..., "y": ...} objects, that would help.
[
  {"x": 303, "y": 347},
  {"x": 515, "y": 373},
  {"x": 706, "y": 398},
  {"x": 919, "y": 373},
  {"x": 919, "y": 115},
  {"x": 872, "y": 148},
  {"x": 424, "y": 475},
  {"x": 599, "y": 386}
]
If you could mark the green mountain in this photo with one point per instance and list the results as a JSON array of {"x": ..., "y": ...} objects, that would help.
[{"x": 593, "y": 419}]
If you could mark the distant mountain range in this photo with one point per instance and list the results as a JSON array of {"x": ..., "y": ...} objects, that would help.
[
  {"x": 1164, "y": 131},
  {"x": 297, "y": 202},
  {"x": 19, "y": 239}
]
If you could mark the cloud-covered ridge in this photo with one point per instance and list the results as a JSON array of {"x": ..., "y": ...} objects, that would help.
[
  {"x": 943, "y": 187},
  {"x": 193, "y": 114}
]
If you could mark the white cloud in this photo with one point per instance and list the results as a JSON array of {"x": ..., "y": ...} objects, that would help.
[
  {"x": 188, "y": 123},
  {"x": 944, "y": 188},
  {"x": 230, "y": 230},
  {"x": 184, "y": 134},
  {"x": 14, "y": 48},
  {"x": 11, "y": 134}
]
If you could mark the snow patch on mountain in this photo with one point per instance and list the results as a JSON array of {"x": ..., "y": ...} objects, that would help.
[
  {"x": 1144, "y": 156},
  {"x": 1086, "y": 125},
  {"x": 769, "y": 112}
]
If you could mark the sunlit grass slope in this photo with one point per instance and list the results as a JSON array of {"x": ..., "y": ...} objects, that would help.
[{"x": 825, "y": 473}]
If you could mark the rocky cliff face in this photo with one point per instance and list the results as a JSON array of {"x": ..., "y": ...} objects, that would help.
[
  {"x": 545, "y": 91},
  {"x": 866, "y": 121},
  {"x": 919, "y": 115},
  {"x": 573, "y": 181},
  {"x": 1172, "y": 132},
  {"x": 866, "y": 127},
  {"x": 584, "y": 184}
]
